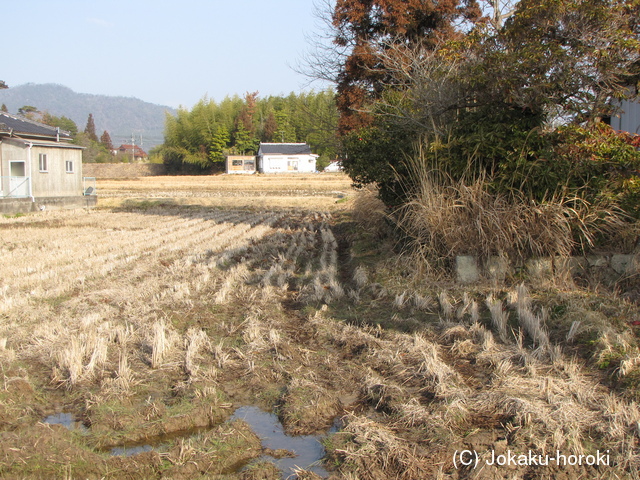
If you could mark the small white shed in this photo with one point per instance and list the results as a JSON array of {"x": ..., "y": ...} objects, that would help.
[
  {"x": 240, "y": 164},
  {"x": 286, "y": 158}
]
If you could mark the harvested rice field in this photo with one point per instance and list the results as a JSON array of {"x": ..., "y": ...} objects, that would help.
[{"x": 179, "y": 337}]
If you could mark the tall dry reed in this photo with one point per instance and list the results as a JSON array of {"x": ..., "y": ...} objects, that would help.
[{"x": 445, "y": 217}]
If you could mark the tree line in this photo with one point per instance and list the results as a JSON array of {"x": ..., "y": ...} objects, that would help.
[{"x": 201, "y": 137}]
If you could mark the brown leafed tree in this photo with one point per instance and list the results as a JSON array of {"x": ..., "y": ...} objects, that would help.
[
  {"x": 270, "y": 127},
  {"x": 105, "y": 139},
  {"x": 364, "y": 27},
  {"x": 247, "y": 114}
]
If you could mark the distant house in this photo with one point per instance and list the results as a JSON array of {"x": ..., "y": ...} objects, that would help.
[
  {"x": 286, "y": 158},
  {"x": 242, "y": 164},
  {"x": 132, "y": 151},
  {"x": 39, "y": 167},
  {"x": 333, "y": 167}
]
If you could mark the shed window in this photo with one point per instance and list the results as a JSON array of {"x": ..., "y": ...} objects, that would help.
[
  {"x": 236, "y": 163},
  {"x": 68, "y": 165},
  {"x": 42, "y": 162}
]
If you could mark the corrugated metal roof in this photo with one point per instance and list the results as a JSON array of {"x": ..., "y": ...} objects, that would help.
[
  {"x": 24, "y": 126},
  {"x": 41, "y": 143},
  {"x": 284, "y": 149}
]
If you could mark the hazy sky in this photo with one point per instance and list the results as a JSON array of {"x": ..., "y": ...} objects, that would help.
[{"x": 167, "y": 52}]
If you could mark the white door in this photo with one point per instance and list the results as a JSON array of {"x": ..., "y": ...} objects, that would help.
[{"x": 18, "y": 181}]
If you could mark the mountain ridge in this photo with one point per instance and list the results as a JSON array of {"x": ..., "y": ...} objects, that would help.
[{"x": 121, "y": 116}]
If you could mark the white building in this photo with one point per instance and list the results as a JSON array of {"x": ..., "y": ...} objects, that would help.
[{"x": 286, "y": 158}]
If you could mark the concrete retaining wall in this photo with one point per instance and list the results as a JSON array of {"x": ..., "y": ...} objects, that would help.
[
  {"x": 26, "y": 205},
  {"x": 612, "y": 266},
  {"x": 122, "y": 170}
]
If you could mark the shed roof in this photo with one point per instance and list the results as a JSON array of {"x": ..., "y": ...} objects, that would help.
[
  {"x": 42, "y": 143},
  {"x": 284, "y": 149},
  {"x": 23, "y": 126}
]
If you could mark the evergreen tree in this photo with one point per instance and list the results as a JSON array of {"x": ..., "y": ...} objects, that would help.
[
  {"x": 285, "y": 132},
  {"x": 64, "y": 123},
  {"x": 105, "y": 140},
  {"x": 3, "y": 85},
  {"x": 28, "y": 111},
  {"x": 4, "y": 108},
  {"x": 90, "y": 129},
  {"x": 244, "y": 143}
]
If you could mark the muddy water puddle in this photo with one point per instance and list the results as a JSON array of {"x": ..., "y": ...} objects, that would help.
[
  {"x": 307, "y": 449},
  {"x": 66, "y": 420}
]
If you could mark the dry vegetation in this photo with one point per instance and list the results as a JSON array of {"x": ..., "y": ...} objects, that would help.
[
  {"x": 316, "y": 191},
  {"x": 151, "y": 323}
]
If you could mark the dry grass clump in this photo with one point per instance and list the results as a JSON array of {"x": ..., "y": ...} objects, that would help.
[
  {"x": 382, "y": 393},
  {"x": 307, "y": 407},
  {"x": 161, "y": 343},
  {"x": 81, "y": 357},
  {"x": 499, "y": 316},
  {"x": 123, "y": 379},
  {"x": 445, "y": 218},
  {"x": 195, "y": 340},
  {"x": 370, "y": 212},
  {"x": 373, "y": 451},
  {"x": 446, "y": 306}
]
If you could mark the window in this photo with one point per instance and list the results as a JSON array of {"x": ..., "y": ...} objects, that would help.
[
  {"x": 42, "y": 162},
  {"x": 68, "y": 165},
  {"x": 236, "y": 163}
]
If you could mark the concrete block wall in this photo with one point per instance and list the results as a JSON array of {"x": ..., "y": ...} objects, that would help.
[
  {"x": 9, "y": 206},
  {"x": 122, "y": 170},
  {"x": 469, "y": 270}
]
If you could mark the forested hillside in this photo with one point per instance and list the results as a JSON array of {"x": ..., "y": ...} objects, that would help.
[{"x": 120, "y": 116}]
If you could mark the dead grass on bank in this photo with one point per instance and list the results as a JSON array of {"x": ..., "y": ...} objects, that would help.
[{"x": 445, "y": 219}]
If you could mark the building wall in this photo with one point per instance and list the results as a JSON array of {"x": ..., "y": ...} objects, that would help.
[
  {"x": 11, "y": 151},
  {"x": 56, "y": 181},
  {"x": 241, "y": 164},
  {"x": 288, "y": 163},
  {"x": 629, "y": 119}
]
